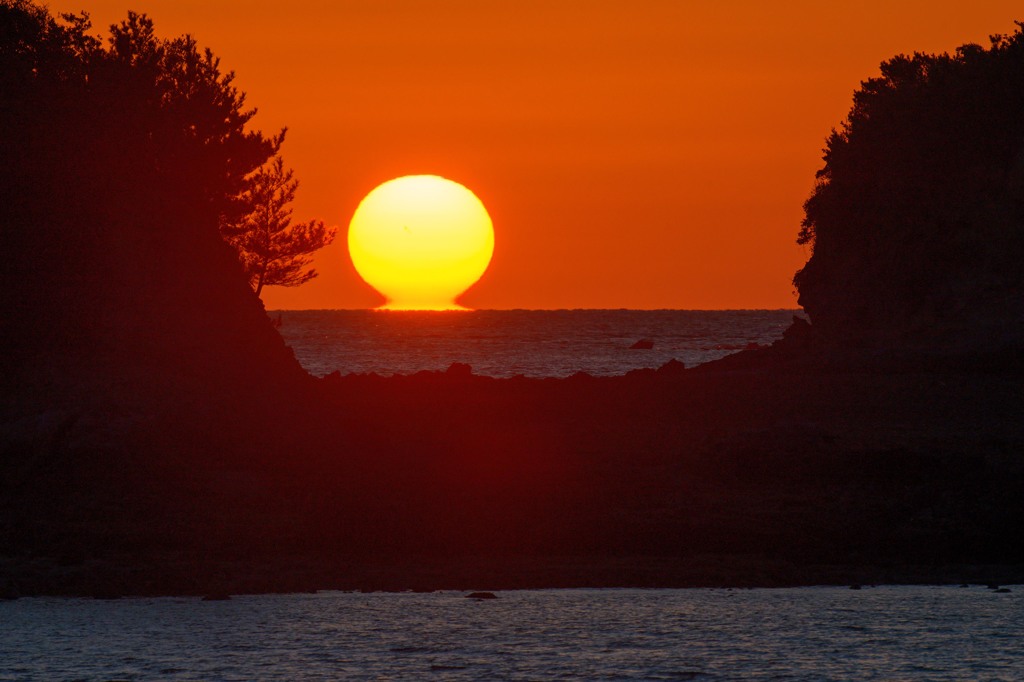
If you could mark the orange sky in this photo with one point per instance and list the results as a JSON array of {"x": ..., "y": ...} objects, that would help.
[{"x": 631, "y": 154}]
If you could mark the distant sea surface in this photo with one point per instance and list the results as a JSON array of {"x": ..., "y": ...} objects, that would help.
[
  {"x": 823, "y": 633},
  {"x": 536, "y": 343}
]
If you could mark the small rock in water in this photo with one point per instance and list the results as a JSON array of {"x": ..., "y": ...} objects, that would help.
[
  {"x": 672, "y": 368},
  {"x": 481, "y": 595},
  {"x": 1002, "y": 590},
  {"x": 642, "y": 344},
  {"x": 855, "y": 586},
  {"x": 459, "y": 369}
]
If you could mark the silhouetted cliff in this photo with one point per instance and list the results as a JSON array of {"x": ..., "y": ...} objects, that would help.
[
  {"x": 917, "y": 220},
  {"x": 117, "y": 165}
]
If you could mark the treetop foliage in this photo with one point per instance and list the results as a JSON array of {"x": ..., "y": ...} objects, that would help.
[
  {"x": 155, "y": 121},
  {"x": 169, "y": 100}
]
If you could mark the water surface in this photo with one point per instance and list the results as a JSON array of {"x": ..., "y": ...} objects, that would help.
[
  {"x": 883, "y": 633},
  {"x": 504, "y": 343}
]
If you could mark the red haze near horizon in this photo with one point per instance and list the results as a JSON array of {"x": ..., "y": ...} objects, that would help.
[{"x": 637, "y": 155}]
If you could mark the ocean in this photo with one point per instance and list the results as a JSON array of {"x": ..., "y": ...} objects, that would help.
[
  {"x": 535, "y": 343},
  {"x": 815, "y": 633}
]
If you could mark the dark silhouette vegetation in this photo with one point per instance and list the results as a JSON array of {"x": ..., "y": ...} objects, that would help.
[
  {"x": 157, "y": 436},
  {"x": 275, "y": 251},
  {"x": 917, "y": 219},
  {"x": 119, "y": 163}
]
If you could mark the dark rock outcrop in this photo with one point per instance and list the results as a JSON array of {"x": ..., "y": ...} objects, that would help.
[
  {"x": 459, "y": 370},
  {"x": 917, "y": 219},
  {"x": 672, "y": 368}
]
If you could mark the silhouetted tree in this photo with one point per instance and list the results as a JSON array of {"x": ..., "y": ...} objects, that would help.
[
  {"x": 917, "y": 219},
  {"x": 181, "y": 94},
  {"x": 118, "y": 161},
  {"x": 273, "y": 250}
]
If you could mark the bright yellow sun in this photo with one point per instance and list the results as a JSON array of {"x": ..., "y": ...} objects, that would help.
[{"x": 421, "y": 241}]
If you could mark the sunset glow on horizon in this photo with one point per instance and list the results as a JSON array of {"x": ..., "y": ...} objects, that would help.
[{"x": 645, "y": 155}]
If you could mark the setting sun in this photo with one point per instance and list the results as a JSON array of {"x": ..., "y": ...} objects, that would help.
[{"x": 421, "y": 241}]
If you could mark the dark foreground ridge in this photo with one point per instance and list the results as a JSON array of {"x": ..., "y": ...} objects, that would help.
[
  {"x": 158, "y": 437},
  {"x": 755, "y": 471}
]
